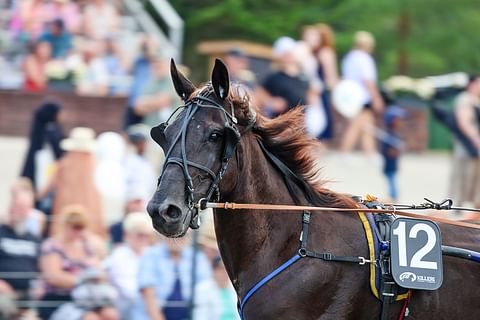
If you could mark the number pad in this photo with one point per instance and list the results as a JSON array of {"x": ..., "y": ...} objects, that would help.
[{"x": 416, "y": 254}]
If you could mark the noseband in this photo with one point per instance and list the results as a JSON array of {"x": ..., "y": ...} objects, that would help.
[{"x": 231, "y": 139}]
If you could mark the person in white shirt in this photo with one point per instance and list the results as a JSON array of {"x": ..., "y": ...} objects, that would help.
[
  {"x": 122, "y": 264},
  {"x": 358, "y": 65}
]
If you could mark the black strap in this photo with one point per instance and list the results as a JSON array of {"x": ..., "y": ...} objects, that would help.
[
  {"x": 326, "y": 256},
  {"x": 282, "y": 166},
  {"x": 331, "y": 257},
  {"x": 305, "y": 223}
]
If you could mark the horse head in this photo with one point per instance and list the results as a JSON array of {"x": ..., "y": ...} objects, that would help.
[{"x": 199, "y": 145}]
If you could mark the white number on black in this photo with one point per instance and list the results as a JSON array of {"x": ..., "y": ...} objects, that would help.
[{"x": 416, "y": 261}]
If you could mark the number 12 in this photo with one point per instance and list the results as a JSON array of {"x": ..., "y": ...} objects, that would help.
[{"x": 416, "y": 261}]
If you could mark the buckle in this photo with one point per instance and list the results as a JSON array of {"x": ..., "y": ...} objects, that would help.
[
  {"x": 328, "y": 256},
  {"x": 364, "y": 261},
  {"x": 201, "y": 204},
  {"x": 302, "y": 252},
  {"x": 306, "y": 217}
]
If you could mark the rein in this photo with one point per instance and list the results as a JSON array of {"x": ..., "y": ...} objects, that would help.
[{"x": 202, "y": 204}]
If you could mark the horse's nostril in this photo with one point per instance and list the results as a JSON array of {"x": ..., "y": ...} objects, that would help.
[{"x": 173, "y": 212}]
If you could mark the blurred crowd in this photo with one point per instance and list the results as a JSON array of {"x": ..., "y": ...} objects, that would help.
[
  {"x": 70, "y": 45},
  {"x": 77, "y": 242}
]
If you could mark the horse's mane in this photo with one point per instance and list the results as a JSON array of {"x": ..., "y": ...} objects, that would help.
[{"x": 285, "y": 137}]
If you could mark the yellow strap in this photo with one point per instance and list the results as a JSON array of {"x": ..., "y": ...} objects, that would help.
[{"x": 371, "y": 249}]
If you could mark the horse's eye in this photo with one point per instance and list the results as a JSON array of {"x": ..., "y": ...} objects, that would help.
[{"x": 214, "y": 136}]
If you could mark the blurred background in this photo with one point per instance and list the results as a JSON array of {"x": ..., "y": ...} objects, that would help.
[{"x": 391, "y": 89}]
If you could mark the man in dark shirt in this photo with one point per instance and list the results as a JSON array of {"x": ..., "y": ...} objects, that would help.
[
  {"x": 285, "y": 88},
  {"x": 59, "y": 38},
  {"x": 19, "y": 249}
]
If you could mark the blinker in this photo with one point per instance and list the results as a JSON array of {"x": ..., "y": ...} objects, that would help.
[
  {"x": 158, "y": 134},
  {"x": 232, "y": 137}
]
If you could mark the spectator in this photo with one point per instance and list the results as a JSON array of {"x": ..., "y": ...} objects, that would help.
[
  {"x": 155, "y": 104},
  {"x": 328, "y": 74},
  {"x": 136, "y": 202},
  {"x": 34, "y": 67},
  {"x": 100, "y": 28},
  {"x": 158, "y": 95},
  {"x": 58, "y": 38},
  {"x": 164, "y": 281},
  {"x": 110, "y": 177},
  {"x": 215, "y": 298},
  {"x": 237, "y": 64},
  {"x": 67, "y": 11},
  {"x": 141, "y": 73},
  {"x": 139, "y": 175},
  {"x": 283, "y": 89},
  {"x": 122, "y": 264},
  {"x": 19, "y": 248},
  {"x": 93, "y": 299},
  {"x": 46, "y": 127},
  {"x": 311, "y": 42},
  {"x": 391, "y": 148},
  {"x": 139, "y": 172},
  {"x": 29, "y": 22},
  {"x": 73, "y": 179},
  {"x": 315, "y": 118},
  {"x": 465, "y": 185},
  {"x": 117, "y": 67},
  {"x": 358, "y": 65},
  {"x": 23, "y": 197},
  {"x": 94, "y": 78},
  {"x": 65, "y": 256}
]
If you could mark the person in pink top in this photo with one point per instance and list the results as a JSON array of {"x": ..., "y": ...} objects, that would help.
[
  {"x": 96, "y": 28},
  {"x": 67, "y": 11},
  {"x": 68, "y": 254},
  {"x": 31, "y": 18}
]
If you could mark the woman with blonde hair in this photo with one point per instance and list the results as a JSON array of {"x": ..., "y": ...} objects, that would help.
[{"x": 65, "y": 256}]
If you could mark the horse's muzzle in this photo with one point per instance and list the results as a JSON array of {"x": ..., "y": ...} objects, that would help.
[{"x": 167, "y": 218}]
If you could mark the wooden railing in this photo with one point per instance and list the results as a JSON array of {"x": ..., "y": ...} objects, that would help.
[{"x": 98, "y": 113}]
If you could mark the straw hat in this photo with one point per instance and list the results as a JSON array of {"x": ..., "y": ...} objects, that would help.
[{"x": 80, "y": 139}]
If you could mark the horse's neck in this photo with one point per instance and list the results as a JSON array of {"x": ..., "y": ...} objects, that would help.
[{"x": 253, "y": 243}]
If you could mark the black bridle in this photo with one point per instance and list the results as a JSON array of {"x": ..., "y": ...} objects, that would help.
[{"x": 231, "y": 139}]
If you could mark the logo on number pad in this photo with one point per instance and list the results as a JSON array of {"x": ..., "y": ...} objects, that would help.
[{"x": 408, "y": 275}]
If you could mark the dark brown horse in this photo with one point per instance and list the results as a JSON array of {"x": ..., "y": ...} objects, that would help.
[{"x": 254, "y": 243}]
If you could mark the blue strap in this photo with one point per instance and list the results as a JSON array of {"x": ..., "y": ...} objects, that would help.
[{"x": 262, "y": 282}]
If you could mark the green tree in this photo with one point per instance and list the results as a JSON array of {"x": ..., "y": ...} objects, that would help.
[{"x": 414, "y": 37}]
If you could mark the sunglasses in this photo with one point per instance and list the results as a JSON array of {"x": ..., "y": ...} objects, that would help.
[
  {"x": 78, "y": 227},
  {"x": 142, "y": 235}
]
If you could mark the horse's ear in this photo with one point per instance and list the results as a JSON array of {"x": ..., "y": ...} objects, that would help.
[
  {"x": 220, "y": 79},
  {"x": 182, "y": 85}
]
